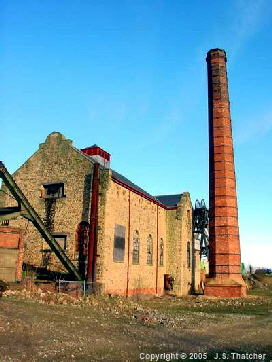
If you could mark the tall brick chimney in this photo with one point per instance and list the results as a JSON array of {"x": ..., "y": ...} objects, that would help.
[{"x": 225, "y": 278}]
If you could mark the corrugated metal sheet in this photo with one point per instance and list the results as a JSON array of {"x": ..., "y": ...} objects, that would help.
[{"x": 8, "y": 261}]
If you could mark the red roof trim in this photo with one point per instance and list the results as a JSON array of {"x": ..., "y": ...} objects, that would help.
[
  {"x": 130, "y": 188},
  {"x": 94, "y": 151}
]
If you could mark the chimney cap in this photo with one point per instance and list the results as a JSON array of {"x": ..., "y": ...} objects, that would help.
[
  {"x": 96, "y": 151},
  {"x": 217, "y": 52}
]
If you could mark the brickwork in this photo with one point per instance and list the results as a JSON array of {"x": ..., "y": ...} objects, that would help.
[
  {"x": 126, "y": 208},
  {"x": 225, "y": 261}
]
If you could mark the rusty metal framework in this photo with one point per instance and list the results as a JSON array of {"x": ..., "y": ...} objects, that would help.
[
  {"x": 27, "y": 211},
  {"x": 200, "y": 227}
]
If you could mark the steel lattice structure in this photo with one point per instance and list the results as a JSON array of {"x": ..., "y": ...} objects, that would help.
[{"x": 200, "y": 227}]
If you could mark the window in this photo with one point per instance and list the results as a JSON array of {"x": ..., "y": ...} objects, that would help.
[
  {"x": 136, "y": 248},
  {"x": 149, "y": 250},
  {"x": 188, "y": 217},
  {"x": 188, "y": 254},
  {"x": 61, "y": 240},
  {"x": 161, "y": 250},
  {"x": 81, "y": 239},
  {"x": 53, "y": 191},
  {"x": 119, "y": 243}
]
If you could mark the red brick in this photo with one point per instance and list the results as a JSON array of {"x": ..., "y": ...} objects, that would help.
[
  {"x": 225, "y": 257},
  {"x": 218, "y": 130},
  {"x": 223, "y": 181},
  {"x": 223, "y": 191},
  {"x": 222, "y": 201},
  {"x": 224, "y": 166},
  {"x": 222, "y": 140},
  {"x": 226, "y": 221},
  {"x": 224, "y": 173},
  {"x": 223, "y": 211},
  {"x": 225, "y": 291},
  {"x": 222, "y": 111}
]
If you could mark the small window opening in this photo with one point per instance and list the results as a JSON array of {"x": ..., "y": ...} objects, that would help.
[
  {"x": 149, "y": 250},
  {"x": 61, "y": 240},
  {"x": 188, "y": 217},
  {"x": 188, "y": 254},
  {"x": 136, "y": 248},
  {"x": 53, "y": 191},
  {"x": 161, "y": 252}
]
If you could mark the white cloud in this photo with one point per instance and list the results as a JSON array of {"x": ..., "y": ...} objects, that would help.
[
  {"x": 248, "y": 16},
  {"x": 256, "y": 127}
]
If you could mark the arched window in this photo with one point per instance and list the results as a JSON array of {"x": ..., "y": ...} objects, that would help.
[
  {"x": 136, "y": 248},
  {"x": 188, "y": 217},
  {"x": 161, "y": 252},
  {"x": 82, "y": 238},
  {"x": 81, "y": 246},
  {"x": 188, "y": 254},
  {"x": 149, "y": 250}
]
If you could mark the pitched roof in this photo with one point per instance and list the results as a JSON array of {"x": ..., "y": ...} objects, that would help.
[
  {"x": 129, "y": 183},
  {"x": 169, "y": 200}
]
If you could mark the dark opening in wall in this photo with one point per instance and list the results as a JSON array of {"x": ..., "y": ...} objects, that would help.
[
  {"x": 61, "y": 240},
  {"x": 136, "y": 248},
  {"x": 54, "y": 190},
  {"x": 81, "y": 247},
  {"x": 161, "y": 252},
  {"x": 149, "y": 250},
  {"x": 119, "y": 243},
  {"x": 188, "y": 254}
]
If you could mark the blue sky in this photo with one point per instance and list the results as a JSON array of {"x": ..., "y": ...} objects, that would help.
[{"x": 131, "y": 77}]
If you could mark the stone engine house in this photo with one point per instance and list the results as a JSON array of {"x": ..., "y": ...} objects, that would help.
[{"x": 115, "y": 233}]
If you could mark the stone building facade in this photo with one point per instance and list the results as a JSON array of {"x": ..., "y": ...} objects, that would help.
[{"x": 141, "y": 242}]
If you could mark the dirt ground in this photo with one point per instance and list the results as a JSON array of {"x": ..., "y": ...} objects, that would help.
[{"x": 48, "y": 327}]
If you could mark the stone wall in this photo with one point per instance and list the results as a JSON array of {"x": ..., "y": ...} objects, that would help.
[
  {"x": 55, "y": 161},
  {"x": 179, "y": 233}
]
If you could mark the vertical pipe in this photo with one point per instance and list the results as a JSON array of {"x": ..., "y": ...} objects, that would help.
[
  {"x": 92, "y": 248},
  {"x": 193, "y": 289},
  {"x": 128, "y": 245},
  {"x": 157, "y": 259}
]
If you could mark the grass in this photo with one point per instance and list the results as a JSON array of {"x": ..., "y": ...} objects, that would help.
[
  {"x": 260, "y": 292},
  {"x": 243, "y": 306},
  {"x": 115, "y": 329}
]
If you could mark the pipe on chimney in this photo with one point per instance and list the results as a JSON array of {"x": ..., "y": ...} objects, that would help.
[{"x": 92, "y": 248}]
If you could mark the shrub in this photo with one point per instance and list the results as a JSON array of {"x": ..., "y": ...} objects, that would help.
[{"x": 3, "y": 287}]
